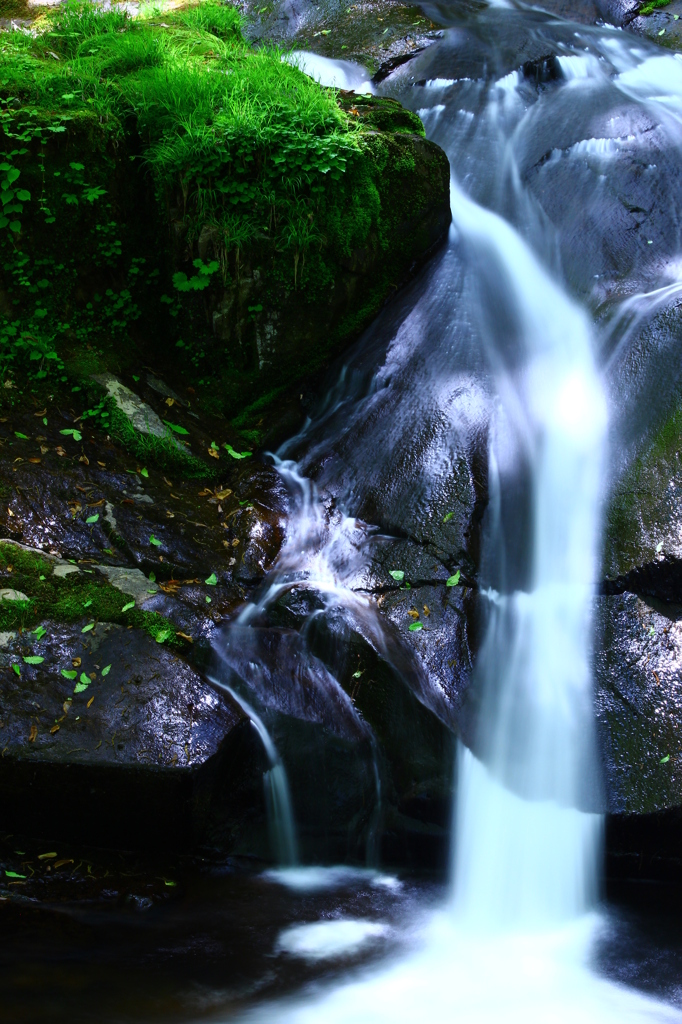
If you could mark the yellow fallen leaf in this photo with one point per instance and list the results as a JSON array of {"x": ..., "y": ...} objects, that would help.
[
  {"x": 54, "y": 729},
  {"x": 33, "y": 733}
]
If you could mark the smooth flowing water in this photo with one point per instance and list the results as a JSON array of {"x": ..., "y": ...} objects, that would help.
[{"x": 527, "y": 316}]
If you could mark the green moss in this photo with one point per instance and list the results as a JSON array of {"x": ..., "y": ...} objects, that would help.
[
  {"x": 152, "y": 145},
  {"x": 79, "y": 596},
  {"x": 164, "y": 452},
  {"x": 653, "y": 5}
]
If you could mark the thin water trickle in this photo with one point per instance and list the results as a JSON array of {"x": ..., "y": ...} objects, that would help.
[{"x": 281, "y": 824}]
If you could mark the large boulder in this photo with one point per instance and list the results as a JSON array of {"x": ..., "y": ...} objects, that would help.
[{"x": 111, "y": 739}]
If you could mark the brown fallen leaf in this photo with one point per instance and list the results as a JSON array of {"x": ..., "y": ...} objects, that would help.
[
  {"x": 213, "y": 452},
  {"x": 10, "y": 512},
  {"x": 206, "y": 490},
  {"x": 184, "y": 636},
  {"x": 33, "y": 733},
  {"x": 61, "y": 863},
  {"x": 102, "y": 464},
  {"x": 427, "y": 610},
  {"x": 65, "y": 706},
  {"x": 35, "y": 461},
  {"x": 39, "y": 414},
  {"x": 657, "y": 677},
  {"x": 222, "y": 494},
  {"x": 43, "y": 449},
  {"x": 176, "y": 496},
  {"x": 235, "y": 542},
  {"x": 47, "y": 856},
  {"x": 60, "y": 451},
  {"x": 170, "y": 402},
  {"x": 89, "y": 702},
  {"x": 85, "y": 459},
  {"x": 169, "y": 514},
  {"x": 54, "y": 729},
  {"x": 76, "y": 662},
  {"x": 167, "y": 481},
  {"x": 95, "y": 504},
  {"x": 414, "y": 613}
]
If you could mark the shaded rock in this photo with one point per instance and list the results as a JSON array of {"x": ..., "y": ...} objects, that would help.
[
  {"x": 146, "y": 755},
  {"x": 643, "y": 544},
  {"x": 639, "y": 703}
]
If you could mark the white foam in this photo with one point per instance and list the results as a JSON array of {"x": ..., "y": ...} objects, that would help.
[
  {"x": 318, "y": 879},
  {"x": 326, "y": 940}
]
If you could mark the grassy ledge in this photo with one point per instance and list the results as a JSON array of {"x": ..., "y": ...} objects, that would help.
[{"x": 166, "y": 190}]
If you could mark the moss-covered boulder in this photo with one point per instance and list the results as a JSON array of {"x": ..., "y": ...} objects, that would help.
[{"x": 170, "y": 193}]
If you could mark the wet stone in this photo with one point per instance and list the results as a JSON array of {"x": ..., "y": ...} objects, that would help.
[
  {"x": 639, "y": 703},
  {"x": 135, "y": 750}
]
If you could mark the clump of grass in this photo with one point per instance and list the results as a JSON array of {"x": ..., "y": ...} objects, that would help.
[
  {"x": 238, "y": 141},
  {"x": 72, "y": 598}
]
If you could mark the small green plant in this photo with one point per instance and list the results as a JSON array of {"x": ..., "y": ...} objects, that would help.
[{"x": 198, "y": 281}]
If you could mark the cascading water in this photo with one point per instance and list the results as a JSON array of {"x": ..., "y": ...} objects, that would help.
[
  {"x": 514, "y": 944},
  {"x": 525, "y": 852}
]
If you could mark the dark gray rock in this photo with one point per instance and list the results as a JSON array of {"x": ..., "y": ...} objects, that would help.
[{"x": 147, "y": 756}]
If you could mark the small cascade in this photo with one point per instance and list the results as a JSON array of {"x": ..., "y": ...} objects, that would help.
[{"x": 281, "y": 825}]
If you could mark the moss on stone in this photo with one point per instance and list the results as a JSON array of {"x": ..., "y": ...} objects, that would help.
[{"x": 79, "y": 596}]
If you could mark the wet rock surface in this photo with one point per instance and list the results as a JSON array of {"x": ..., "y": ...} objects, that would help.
[
  {"x": 378, "y": 34},
  {"x": 159, "y": 758},
  {"x": 639, "y": 702}
]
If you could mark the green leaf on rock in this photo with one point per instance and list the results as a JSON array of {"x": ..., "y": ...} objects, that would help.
[
  {"x": 212, "y": 580},
  {"x": 236, "y": 455},
  {"x": 69, "y": 673},
  {"x": 163, "y": 635},
  {"x": 75, "y": 434},
  {"x": 176, "y": 427},
  {"x": 86, "y": 629},
  {"x": 16, "y": 668},
  {"x": 92, "y": 519},
  {"x": 33, "y": 659},
  {"x": 665, "y": 759},
  {"x": 454, "y": 580},
  {"x": 128, "y": 606},
  {"x": 39, "y": 632},
  {"x": 155, "y": 541},
  {"x": 13, "y": 874},
  {"x": 415, "y": 626},
  {"x": 397, "y": 574},
  {"x": 23, "y": 437},
  {"x": 106, "y": 670},
  {"x": 448, "y": 517},
  {"x": 144, "y": 472}
]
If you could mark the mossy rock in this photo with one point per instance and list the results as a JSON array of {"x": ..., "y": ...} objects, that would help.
[{"x": 167, "y": 185}]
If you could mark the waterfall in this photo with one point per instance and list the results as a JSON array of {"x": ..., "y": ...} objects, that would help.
[
  {"x": 514, "y": 942},
  {"x": 525, "y": 852}
]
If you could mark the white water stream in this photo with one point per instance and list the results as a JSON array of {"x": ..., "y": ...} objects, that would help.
[{"x": 514, "y": 943}]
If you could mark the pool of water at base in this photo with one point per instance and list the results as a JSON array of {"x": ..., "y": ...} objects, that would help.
[{"x": 224, "y": 939}]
